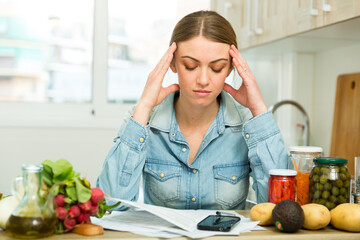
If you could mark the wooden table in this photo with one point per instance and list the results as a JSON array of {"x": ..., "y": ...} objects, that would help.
[{"x": 328, "y": 233}]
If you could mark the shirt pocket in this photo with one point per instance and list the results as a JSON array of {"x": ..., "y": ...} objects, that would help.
[
  {"x": 231, "y": 184},
  {"x": 163, "y": 180}
]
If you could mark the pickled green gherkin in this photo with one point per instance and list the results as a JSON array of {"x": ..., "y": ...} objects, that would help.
[
  {"x": 329, "y": 182},
  {"x": 339, "y": 183},
  {"x": 323, "y": 179}
]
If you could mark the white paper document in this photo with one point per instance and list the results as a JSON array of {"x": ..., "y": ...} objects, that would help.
[{"x": 165, "y": 222}]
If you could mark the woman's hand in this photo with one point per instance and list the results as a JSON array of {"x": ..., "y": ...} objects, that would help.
[
  {"x": 248, "y": 94},
  {"x": 154, "y": 93}
]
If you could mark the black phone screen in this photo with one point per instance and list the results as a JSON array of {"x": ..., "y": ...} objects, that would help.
[{"x": 218, "y": 223}]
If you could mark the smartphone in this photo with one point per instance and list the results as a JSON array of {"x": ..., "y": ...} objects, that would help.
[{"x": 218, "y": 223}]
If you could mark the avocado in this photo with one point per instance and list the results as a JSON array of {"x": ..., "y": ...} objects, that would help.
[{"x": 288, "y": 216}]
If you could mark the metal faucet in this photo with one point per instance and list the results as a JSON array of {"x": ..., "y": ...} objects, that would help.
[{"x": 302, "y": 110}]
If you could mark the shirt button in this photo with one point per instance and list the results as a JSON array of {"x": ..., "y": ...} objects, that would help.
[
  {"x": 193, "y": 199},
  {"x": 247, "y": 136},
  {"x": 194, "y": 170},
  {"x": 173, "y": 134},
  {"x": 184, "y": 149},
  {"x": 141, "y": 140},
  {"x": 233, "y": 178},
  {"x": 162, "y": 175}
]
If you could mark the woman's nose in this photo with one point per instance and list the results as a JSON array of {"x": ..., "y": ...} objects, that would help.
[{"x": 203, "y": 78}]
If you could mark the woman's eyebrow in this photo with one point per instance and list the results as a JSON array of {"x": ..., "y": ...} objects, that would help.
[
  {"x": 217, "y": 60},
  {"x": 194, "y": 59}
]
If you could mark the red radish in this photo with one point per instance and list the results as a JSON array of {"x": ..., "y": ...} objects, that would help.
[
  {"x": 60, "y": 200},
  {"x": 85, "y": 206},
  {"x": 61, "y": 213},
  {"x": 69, "y": 223},
  {"x": 96, "y": 195},
  {"x": 74, "y": 211},
  {"x": 83, "y": 218},
  {"x": 93, "y": 209}
]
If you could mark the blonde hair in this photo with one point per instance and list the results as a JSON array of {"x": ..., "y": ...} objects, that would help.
[{"x": 208, "y": 24}]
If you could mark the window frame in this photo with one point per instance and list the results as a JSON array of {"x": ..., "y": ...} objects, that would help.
[{"x": 98, "y": 113}]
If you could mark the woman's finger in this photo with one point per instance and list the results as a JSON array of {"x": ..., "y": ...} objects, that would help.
[
  {"x": 237, "y": 52},
  {"x": 228, "y": 88},
  {"x": 165, "y": 60},
  {"x": 241, "y": 68},
  {"x": 170, "y": 55},
  {"x": 167, "y": 90}
]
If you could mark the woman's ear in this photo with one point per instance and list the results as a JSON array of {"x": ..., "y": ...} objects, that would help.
[{"x": 172, "y": 65}]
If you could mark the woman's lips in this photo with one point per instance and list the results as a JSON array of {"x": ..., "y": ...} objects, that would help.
[{"x": 202, "y": 93}]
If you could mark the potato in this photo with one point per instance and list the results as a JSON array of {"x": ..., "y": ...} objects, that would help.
[
  {"x": 262, "y": 212},
  {"x": 317, "y": 216},
  {"x": 346, "y": 217}
]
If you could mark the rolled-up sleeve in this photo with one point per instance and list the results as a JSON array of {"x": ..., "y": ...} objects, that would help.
[
  {"x": 122, "y": 169},
  {"x": 266, "y": 151}
]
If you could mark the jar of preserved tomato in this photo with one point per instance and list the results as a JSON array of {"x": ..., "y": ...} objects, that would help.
[
  {"x": 301, "y": 160},
  {"x": 281, "y": 185},
  {"x": 329, "y": 182}
]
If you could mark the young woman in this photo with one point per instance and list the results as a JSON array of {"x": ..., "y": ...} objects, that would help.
[{"x": 197, "y": 142}]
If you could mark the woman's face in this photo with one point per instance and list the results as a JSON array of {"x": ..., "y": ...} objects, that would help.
[{"x": 202, "y": 66}]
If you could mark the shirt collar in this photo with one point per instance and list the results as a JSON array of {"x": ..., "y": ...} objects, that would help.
[{"x": 230, "y": 113}]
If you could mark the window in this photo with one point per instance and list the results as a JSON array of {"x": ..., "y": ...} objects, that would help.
[
  {"x": 90, "y": 57},
  {"x": 139, "y": 34},
  {"x": 46, "y": 50}
]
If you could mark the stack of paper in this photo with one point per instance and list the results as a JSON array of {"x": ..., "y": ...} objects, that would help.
[{"x": 164, "y": 222}]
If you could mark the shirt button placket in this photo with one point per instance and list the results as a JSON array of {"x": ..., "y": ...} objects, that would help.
[{"x": 194, "y": 191}]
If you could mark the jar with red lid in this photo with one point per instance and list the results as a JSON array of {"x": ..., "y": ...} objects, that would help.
[{"x": 281, "y": 185}]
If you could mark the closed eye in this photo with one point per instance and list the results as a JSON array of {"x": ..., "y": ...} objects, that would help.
[
  {"x": 190, "y": 68},
  {"x": 217, "y": 70}
]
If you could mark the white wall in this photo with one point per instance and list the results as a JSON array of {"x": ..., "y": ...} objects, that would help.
[
  {"x": 309, "y": 78},
  {"x": 328, "y": 66},
  {"x": 86, "y": 149}
]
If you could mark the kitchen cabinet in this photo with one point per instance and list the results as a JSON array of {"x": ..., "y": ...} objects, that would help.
[
  {"x": 237, "y": 12},
  {"x": 304, "y": 15},
  {"x": 341, "y": 10},
  {"x": 254, "y": 21},
  {"x": 261, "y": 21},
  {"x": 271, "y": 16}
]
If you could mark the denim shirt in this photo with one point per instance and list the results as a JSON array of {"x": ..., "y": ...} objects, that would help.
[{"x": 235, "y": 147}]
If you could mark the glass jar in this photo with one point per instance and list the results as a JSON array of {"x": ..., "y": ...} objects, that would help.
[
  {"x": 301, "y": 160},
  {"x": 356, "y": 196},
  {"x": 281, "y": 185},
  {"x": 329, "y": 182},
  {"x": 34, "y": 217},
  {"x": 357, "y": 175}
]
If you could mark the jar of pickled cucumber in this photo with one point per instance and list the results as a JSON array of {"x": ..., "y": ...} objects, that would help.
[{"x": 329, "y": 182}]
